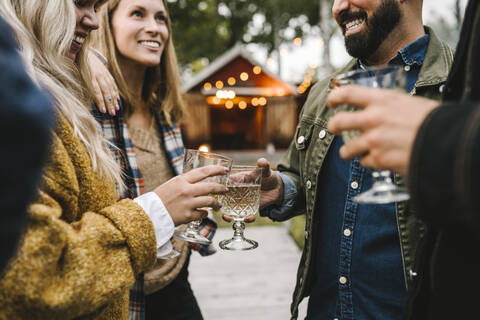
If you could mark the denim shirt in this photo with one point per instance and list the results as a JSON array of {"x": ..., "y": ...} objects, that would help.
[{"x": 359, "y": 274}]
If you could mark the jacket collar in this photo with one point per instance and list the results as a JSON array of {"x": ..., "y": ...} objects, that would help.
[{"x": 436, "y": 65}]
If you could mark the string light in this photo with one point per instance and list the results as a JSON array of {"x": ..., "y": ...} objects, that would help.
[
  {"x": 225, "y": 94},
  {"x": 242, "y": 105},
  {"x": 219, "y": 84},
  {"x": 231, "y": 81},
  {"x": 244, "y": 76},
  {"x": 257, "y": 69},
  {"x": 229, "y": 104},
  {"x": 207, "y": 86}
]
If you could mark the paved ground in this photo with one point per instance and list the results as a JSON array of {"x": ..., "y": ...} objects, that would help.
[{"x": 249, "y": 285}]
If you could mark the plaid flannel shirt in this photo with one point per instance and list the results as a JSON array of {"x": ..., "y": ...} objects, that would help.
[{"x": 116, "y": 132}]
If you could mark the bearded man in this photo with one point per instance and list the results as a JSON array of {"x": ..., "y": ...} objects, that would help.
[{"x": 358, "y": 260}]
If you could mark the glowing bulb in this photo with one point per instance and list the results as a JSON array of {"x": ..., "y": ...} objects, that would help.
[
  {"x": 204, "y": 148},
  {"x": 244, "y": 76},
  {"x": 255, "y": 102},
  {"x": 229, "y": 104},
  {"x": 207, "y": 86},
  {"x": 257, "y": 70},
  {"x": 231, "y": 81},
  {"x": 262, "y": 101},
  {"x": 242, "y": 105},
  {"x": 297, "y": 41},
  {"x": 216, "y": 100},
  {"x": 219, "y": 84}
]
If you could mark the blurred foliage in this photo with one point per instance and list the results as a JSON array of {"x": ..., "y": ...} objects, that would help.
[
  {"x": 204, "y": 29},
  {"x": 259, "y": 221}
]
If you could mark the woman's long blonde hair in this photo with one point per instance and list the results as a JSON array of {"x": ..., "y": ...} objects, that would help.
[
  {"x": 161, "y": 89},
  {"x": 44, "y": 30}
]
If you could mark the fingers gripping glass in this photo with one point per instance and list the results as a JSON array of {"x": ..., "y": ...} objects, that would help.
[
  {"x": 196, "y": 159},
  {"x": 389, "y": 77},
  {"x": 241, "y": 201}
]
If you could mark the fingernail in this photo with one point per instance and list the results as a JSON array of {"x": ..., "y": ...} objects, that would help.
[
  {"x": 117, "y": 106},
  {"x": 226, "y": 189},
  {"x": 113, "y": 112},
  {"x": 103, "y": 110}
]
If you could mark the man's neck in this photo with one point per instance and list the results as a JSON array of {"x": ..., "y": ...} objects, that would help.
[{"x": 398, "y": 39}]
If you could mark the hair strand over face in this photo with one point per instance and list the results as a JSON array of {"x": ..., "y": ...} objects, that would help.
[{"x": 43, "y": 46}]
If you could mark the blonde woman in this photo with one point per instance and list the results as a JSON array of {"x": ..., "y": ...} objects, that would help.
[
  {"x": 135, "y": 36},
  {"x": 82, "y": 249}
]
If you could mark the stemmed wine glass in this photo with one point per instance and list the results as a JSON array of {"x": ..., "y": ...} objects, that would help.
[
  {"x": 196, "y": 159},
  {"x": 241, "y": 201},
  {"x": 386, "y": 77}
]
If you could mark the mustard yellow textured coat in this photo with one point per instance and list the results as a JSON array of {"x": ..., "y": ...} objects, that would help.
[{"x": 82, "y": 249}]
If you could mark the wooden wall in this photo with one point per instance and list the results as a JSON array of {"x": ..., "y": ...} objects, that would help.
[{"x": 275, "y": 123}]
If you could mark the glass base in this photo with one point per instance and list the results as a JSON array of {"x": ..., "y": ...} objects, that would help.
[
  {"x": 238, "y": 244},
  {"x": 383, "y": 192},
  {"x": 192, "y": 236},
  {"x": 171, "y": 255}
]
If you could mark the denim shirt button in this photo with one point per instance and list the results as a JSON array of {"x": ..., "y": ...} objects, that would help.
[
  {"x": 343, "y": 280},
  {"x": 301, "y": 139},
  {"x": 306, "y": 234},
  {"x": 322, "y": 134},
  {"x": 354, "y": 185},
  {"x": 347, "y": 232}
]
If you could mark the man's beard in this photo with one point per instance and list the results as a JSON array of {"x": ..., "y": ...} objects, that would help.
[{"x": 377, "y": 28}]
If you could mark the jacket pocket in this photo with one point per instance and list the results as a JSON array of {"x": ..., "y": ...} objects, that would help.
[{"x": 303, "y": 135}]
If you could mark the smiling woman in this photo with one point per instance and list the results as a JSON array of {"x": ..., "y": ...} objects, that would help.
[{"x": 135, "y": 36}]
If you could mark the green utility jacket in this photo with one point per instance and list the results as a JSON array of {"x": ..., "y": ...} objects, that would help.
[{"x": 304, "y": 158}]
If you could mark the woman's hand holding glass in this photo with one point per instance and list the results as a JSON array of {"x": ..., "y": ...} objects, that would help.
[{"x": 184, "y": 194}]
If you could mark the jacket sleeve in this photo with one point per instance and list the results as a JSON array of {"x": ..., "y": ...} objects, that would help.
[
  {"x": 444, "y": 168},
  {"x": 70, "y": 267}
]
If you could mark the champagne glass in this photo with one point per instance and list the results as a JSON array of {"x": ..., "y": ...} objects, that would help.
[
  {"x": 387, "y": 77},
  {"x": 241, "y": 201},
  {"x": 196, "y": 159}
]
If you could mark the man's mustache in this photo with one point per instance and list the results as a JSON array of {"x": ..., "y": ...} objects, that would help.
[{"x": 346, "y": 16}]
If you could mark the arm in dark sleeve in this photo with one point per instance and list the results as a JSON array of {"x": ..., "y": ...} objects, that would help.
[
  {"x": 445, "y": 167},
  {"x": 25, "y": 121}
]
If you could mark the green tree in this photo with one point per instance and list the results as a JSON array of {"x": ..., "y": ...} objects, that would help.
[{"x": 203, "y": 29}]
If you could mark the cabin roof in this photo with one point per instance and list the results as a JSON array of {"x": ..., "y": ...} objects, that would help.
[{"x": 238, "y": 58}]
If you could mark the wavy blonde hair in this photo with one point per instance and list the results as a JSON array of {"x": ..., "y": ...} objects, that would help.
[
  {"x": 161, "y": 88},
  {"x": 43, "y": 46}
]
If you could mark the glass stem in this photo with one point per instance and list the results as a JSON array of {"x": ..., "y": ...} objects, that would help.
[
  {"x": 238, "y": 227},
  {"x": 193, "y": 225}
]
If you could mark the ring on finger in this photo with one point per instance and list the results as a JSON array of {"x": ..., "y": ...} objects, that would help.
[{"x": 109, "y": 99}]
